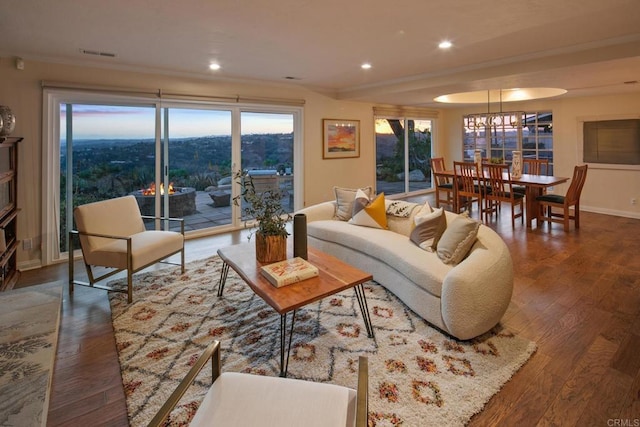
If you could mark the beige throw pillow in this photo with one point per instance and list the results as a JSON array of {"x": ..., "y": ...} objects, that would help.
[
  {"x": 457, "y": 239},
  {"x": 344, "y": 201},
  {"x": 429, "y": 229}
]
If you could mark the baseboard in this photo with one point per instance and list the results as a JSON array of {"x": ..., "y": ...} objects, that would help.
[
  {"x": 29, "y": 265},
  {"x": 625, "y": 214}
]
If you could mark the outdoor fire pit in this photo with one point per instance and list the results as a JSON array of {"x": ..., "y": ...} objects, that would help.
[{"x": 182, "y": 201}]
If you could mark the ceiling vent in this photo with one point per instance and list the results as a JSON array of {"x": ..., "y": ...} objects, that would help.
[{"x": 97, "y": 53}]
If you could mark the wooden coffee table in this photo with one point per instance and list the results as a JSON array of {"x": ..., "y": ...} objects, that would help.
[{"x": 334, "y": 276}]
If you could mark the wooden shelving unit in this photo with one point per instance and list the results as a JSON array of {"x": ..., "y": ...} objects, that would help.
[{"x": 8, "y": 212}]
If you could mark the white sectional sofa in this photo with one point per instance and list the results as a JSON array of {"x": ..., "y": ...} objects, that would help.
[{"x": 464, "y": 300}]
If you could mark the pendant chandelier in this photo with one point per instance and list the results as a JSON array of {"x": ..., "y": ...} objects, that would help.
[{"x": 479, "y": 121}]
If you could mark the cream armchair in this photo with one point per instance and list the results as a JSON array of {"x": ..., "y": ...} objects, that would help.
[
  {"x": 236, "y": 399},
  {"x": 112, "y": 234}
]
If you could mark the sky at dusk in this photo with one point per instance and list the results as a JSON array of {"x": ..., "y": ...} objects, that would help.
[
  {"x": 119, "y": 122},
  {"x": 382, "y": 126}
]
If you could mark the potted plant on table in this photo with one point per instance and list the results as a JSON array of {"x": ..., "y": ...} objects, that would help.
[{"x": 264, "y": 205}]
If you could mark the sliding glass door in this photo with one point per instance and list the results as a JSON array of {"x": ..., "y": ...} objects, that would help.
[
  {"x": 176, "y": 158},
  {"x": 268, "y": 153},
  {"x": 403, "y": 155},
  {"x": 198, "y": 160},
  {"x": 106, "y": 151}
]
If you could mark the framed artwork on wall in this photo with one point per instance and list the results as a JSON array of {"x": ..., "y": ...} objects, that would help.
[{"x": 340, "y": 138}]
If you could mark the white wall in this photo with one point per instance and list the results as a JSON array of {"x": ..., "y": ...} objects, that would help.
[{"x": 606, "y": 190}]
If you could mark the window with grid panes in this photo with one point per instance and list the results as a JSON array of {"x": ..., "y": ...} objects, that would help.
[{"x": 532, "y": 134}]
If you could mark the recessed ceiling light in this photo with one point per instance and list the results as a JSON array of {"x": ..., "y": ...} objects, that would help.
[
  {"x": 445, "y": 44},
  {"x": 214, "y": 66},
  {"x": 366, "y": 66}
]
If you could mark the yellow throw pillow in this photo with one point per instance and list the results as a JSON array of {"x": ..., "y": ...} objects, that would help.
[{"x": 369, "y": 213}]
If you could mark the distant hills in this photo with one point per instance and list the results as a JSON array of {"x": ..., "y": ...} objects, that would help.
[{"x": 193, "y": 155}]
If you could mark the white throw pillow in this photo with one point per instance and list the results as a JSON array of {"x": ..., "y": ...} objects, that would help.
[
  {"x": 425, "y": 209},
  {"x": 428, "y": 230}
]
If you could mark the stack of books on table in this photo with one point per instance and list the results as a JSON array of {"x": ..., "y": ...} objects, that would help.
[{"x": 289, "y": 271}]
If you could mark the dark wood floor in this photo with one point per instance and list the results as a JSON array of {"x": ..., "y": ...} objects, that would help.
[{"x": 576, "y": 294}]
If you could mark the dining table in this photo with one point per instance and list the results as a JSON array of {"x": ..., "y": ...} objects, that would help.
[{"x": 534, "y": 186}]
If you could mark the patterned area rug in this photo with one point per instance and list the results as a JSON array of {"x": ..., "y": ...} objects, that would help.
[
  {"x": 417, "y": 375},
  {"x": 29, "y": 320}
]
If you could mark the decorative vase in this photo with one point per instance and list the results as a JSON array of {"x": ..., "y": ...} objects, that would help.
[
  {"x": 271, "y": 248},
  {"x": 7, "y": 121},
  {"x": 300, "y": 236},
  {"x": 477, "y": 159},
  {"x": 516, "y": 164}
]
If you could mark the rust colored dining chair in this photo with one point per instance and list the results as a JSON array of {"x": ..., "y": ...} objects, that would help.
[
  {"x": 468, "y": 189},
  {"x": 239, "y": 399},
  {"x": 532, "y": 167},
  {"x": 501, "y": 191},
  {"x": 572, "y": 199},
  {"x": 443, "y": 184}
]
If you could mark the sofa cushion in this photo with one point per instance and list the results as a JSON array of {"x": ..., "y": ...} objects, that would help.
[
  {"x": 457, "y": 239},
  {"x": 344, "y": 201},
  {"x": 147, "y": 247},
  {"x": 369, "y": 213},
  {"x": 421, "y": 267},
  {"x": 306, "y": 403},
  {"x": 429, "y": 229}
]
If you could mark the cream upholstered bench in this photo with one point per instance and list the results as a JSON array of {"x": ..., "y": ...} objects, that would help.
[
  {"x": 237, "y": 399},
  {"x": 113, "y": 235}
]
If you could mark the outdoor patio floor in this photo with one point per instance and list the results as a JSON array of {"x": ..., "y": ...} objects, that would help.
[{"x": 207, "y": 215}]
